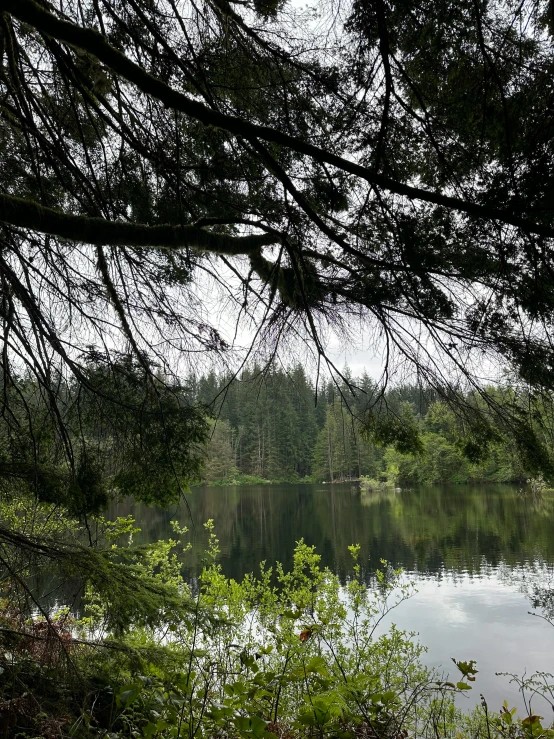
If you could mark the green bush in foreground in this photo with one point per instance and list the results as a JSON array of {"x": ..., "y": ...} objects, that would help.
[{"x": 281, "y": 654}]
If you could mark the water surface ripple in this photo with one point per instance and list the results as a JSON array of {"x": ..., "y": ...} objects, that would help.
[{"x": 475, "y": 552}]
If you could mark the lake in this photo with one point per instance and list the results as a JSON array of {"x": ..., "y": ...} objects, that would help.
[{"x": 471, "y": 550}]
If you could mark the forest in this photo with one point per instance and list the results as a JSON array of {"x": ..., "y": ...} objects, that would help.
[
  {"x": 270, "y": 427},
  {"x": 203, "y": 203}
]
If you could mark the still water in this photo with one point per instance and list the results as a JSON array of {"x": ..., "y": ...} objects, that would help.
[{"x": 472, "y": 551}]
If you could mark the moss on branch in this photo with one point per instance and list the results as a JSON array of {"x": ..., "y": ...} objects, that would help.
[
  {"x": 99, "y": 231},
  {"x": 298, "y": 288}
]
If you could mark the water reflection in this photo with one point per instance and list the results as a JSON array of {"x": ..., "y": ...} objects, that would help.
[
  {"x": 459, "y": 529},
  {"x": 474, "y": 552}
]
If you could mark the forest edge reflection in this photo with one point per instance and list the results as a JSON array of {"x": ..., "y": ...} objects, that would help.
[
  {"x": 481, "y": 557},
  {"x": 460, "y": 529}
]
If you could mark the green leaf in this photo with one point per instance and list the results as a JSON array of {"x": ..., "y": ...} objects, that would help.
[
  {"x": 292, "y": 614},
  {"x": 317, "y": 664},
  {"x": 466, "y": 668},
  {"x": 127, "y": 694},
  {"x": 306, "y": 719},
  {"x": 389, "y": 697},
  {"x": 251, "y": 725}
]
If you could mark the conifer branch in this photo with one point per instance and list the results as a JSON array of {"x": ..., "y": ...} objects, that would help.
[
  {"x": 99, "y": 231},
  {"x": 96, "y": 44}
]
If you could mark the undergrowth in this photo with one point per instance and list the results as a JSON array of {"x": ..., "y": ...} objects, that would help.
[{"x": 280, "y": 654}]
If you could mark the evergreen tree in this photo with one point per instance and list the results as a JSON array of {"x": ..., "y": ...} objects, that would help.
[
  {"x": 219, "y": 462},
  {"x": 157, "y": 151},
  {"x": 341, "y": 451}
]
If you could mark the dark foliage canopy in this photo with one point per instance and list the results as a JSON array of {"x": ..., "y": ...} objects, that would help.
[{"x": 385, "y": 165}]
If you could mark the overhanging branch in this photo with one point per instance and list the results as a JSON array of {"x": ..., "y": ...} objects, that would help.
[
  {"x": 100, "y": 232},
  {"x": 93, "y": 42}
]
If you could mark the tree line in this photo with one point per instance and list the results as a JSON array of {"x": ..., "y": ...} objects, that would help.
[
  {"x": 270, "y": 426},
  {"x": 266, "y": 425}
]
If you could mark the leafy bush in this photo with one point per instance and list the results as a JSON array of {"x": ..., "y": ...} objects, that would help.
[{"x": 280, "y": 654}]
